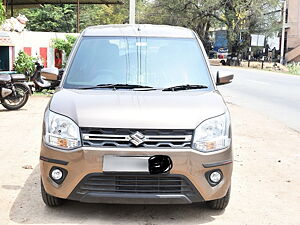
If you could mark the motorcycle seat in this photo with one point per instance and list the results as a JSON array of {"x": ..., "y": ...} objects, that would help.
[
  {"x": 5, "y": 78},
  {"x": 18, "y": 77}
]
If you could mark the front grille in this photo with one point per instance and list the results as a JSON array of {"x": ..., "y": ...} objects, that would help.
[
  {"x": 146, "y": 138},
  {"x": 139, "y": 184}
]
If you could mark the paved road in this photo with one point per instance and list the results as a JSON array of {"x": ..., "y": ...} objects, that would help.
[{"x": 273, "y": 94}]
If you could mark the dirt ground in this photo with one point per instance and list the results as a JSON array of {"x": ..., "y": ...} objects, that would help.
[{"x": 265, "y": 190}]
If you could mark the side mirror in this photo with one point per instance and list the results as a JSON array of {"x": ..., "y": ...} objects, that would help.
[
  {"x": 224, "y": 78},
  {"x": 50, "y": 74}
]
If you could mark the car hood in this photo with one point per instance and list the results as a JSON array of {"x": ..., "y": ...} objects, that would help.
[{"x": 138, "y": 109}]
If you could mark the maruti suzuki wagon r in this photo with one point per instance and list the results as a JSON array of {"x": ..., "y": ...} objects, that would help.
[{"x": 137, "y": 119}]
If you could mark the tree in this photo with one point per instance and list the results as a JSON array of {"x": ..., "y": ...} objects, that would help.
[
  {"x": 2, "y": 12},
  {"x": 62, "y": 17},
  {"x": 64, "y": 45},
  {"x": 51, "y": 18},
  {"x": 24, "y": 63},
  {"x": 241, "y": 18},
  {"x": 179, "y": 13},
  {"x": 92, "y": 15}
]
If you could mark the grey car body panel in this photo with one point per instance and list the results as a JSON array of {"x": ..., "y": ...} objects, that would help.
[
  {"x": 140, "y": 30},
  {"x": 138, "y": 109}
]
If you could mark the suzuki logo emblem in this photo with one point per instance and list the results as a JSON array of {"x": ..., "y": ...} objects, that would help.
[{"x": 137, "y": 138}]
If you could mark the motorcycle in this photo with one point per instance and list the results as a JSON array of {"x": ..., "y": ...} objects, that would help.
[
  {"x": 39, "y": 82},
  {"x": 14, "y": 91}
]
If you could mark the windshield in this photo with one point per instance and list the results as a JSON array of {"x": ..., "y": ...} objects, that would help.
[{"x": 154, "y": 62}]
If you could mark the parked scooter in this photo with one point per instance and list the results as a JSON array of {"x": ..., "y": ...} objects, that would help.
[
  {"x": 39, "y": 82},
  {"x": 14, "y": 91}
]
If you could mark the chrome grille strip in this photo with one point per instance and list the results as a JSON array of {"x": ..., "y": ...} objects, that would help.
[{"x": 145, "y": 138}]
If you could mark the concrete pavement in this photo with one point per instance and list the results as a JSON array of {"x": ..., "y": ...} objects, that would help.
[{"x": 265, "y": 182}]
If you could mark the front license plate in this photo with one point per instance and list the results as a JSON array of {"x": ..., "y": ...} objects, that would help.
[{"x": 112, "y": 163}]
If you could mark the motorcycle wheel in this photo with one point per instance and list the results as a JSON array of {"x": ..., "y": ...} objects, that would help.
[{"x": 13, "y": 102}]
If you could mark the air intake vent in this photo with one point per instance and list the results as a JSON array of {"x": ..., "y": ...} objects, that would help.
[{"x": 155, "y": 184}]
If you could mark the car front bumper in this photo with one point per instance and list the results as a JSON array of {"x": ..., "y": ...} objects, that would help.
[{"x": 85, "y": 178}]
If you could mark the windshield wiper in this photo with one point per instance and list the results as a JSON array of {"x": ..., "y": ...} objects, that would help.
[
  {"x": 185, "y": 87},
  {"x": 116, "y": 86}
]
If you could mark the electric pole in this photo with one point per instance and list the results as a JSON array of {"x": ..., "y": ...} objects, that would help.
[
  {"x": 132, "y": 12},
  {"x": 283, "y": 33},
  {"x": 78, "y": 17}
]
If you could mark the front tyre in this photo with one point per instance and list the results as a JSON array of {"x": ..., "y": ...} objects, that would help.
[
  {"x": 220, "y": 203},
  {"x": 50, "y": 200},
  {"x": 17, "y": 100}
]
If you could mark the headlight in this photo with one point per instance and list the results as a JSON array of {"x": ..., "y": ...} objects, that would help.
[
  {"x": 213, "y": 134},
  {"x": 60, "y": 131}
]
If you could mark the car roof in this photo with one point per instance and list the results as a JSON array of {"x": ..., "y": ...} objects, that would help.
[{"x": 140, "y": 30}]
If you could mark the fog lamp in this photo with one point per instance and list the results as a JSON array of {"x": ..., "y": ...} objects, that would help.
[
  {"x": 56, "y": 174},
  {"x": 215, "y": 177}
]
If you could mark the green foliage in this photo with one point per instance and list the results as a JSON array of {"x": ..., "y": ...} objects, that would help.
[
  {"x": 178, "y": 13},
  {"x": 238, "y": 16},
  {"x": 51, "y": 18},
  {"x": 245, "y": 16},
  {"x": 2, "y": 12},
  {"x": 24, "y": 63},
  {"x": 92, "y": 15},
  {"x": 294, "y": 68},
  {"x": 65, "y": 45},
  {"x": 62, "y": 17}
]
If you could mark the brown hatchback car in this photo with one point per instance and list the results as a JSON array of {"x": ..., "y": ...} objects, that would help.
[{"x": 137, "y": 119}]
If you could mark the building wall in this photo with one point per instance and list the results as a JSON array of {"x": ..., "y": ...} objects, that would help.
[
  {"x": 293, "y": 23},
  {"x": 36, "y": 44}
]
